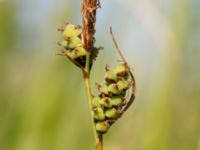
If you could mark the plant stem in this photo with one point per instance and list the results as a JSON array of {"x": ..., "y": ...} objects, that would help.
[
  {"x": 99, "y": 142},
  {"x": 98, "y": 136},
  {"x": 89, "y": 8}
]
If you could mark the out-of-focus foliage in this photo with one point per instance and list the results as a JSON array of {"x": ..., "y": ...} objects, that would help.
[{"x": 43, "y": 103}]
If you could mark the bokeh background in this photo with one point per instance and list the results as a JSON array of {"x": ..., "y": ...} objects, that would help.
[{"x": 43, "y": 103}]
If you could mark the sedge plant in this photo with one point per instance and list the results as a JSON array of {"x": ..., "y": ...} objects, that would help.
[{"x": 117, "y": 92}]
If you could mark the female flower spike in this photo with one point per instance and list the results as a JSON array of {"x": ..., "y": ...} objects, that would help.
[
  {"x": 73, "y": 44},
  {"x": 112, "y": 97}
]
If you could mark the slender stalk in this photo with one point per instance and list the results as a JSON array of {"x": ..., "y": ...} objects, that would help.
[{"x": 98, "y": 136}]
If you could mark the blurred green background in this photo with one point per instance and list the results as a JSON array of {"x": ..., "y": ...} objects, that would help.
[{"x": 43, "y": 103}]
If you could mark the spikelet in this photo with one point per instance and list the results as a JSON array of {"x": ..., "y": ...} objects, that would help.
[{"x": 112, "y": 97}]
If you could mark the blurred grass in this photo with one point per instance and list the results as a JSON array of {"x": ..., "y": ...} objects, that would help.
[{"x": 42, "y": 97}]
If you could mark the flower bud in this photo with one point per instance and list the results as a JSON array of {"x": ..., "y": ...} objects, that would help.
[
  {"x": 122, "y": 85},
  {"x": 105, "y": 101},
  {"x": 121, "y": 70},
  {"x": 98, "y": 114},
  {"x": 116, "y": 101},
  {"x": 111, "y": 113},
  {"x": 71, "y": 31},
  {"x": 102, "y": 126},
  {"x": 113, "y": 89},
  {"x": 96, "y": 102},
  {"x": 110, "y": 76}
]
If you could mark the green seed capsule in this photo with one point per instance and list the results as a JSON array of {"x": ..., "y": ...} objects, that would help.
[
  {"x": 116, "y": 101},
  {"x": 110, "y": 76},
  {"x": 71, "y": 31},
  {"x": 121, "y": 70},
  {"x": 111, "y": 113},
  {"x": 113, "y": 89},
  {"x": 96, "y": 102},
  {"x": 105, "y": 101},
  {"x": 122, "y": 85},
  {"x": 74, "y": 42},
  {"x": 102, "y": 126},
  {"x": 99, "y": 114},
  {"x": 103, "y": 90}
]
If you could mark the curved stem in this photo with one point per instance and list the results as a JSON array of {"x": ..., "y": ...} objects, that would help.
[{"x": 86, "y": 73}]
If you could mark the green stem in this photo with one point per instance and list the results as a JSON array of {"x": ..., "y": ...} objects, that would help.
[{"x": 98, "y": 136}]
